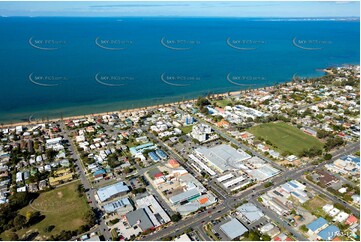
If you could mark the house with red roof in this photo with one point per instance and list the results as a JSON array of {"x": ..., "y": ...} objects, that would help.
[
  {"x": 351, "y": 220},
  {"x": 173, "y": 163},
  {"x": 159, "y": 174},
  {"x": 223, "y": 123},
  {"x": 221, "y": 110}
]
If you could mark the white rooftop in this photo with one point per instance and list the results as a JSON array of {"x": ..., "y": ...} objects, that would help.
[{"x": 224, "y": 157}]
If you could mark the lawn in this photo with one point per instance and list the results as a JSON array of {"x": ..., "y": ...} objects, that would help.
[
  {"x": 62, "y": 207},
  {"x": 315, "y": 204},
  {"x": 285, "y": 138},
  {"x": 187, "y": 129},
  {"x": 224, "y": 102}
]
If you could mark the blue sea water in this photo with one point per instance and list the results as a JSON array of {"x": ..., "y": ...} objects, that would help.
[{"x": 71, "y": 66}]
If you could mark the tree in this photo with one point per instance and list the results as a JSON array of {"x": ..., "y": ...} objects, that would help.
[
  {"x": 126, "y": 170},
  {"x": 139, "y": 190},
  {"x": 19, "y": 221},
  {"x": 201, "y": 101},
  {"x": 322, "y": 134},
  {"x": 28, "y": 215},
  {"x": 35, "y": 218},
  {"x": 176, "y": 217},
  {"x": 80, "y": 189},
  {"x": 268, "y": 184},
  {"x": 64, "y": 235},
  {"x": 266, "y": 237},
  {"x": 304, "y": 228},
  {"x": 49, "y": 228},
  {"x": 21, "y": 199},
  {"x": 50, "y": 154},
  {"x": 333, "y": 142},
  {"x": 253, "y": 236},
  {"x": 327, "y": 156},
  {"x": 90, "y": 217}
]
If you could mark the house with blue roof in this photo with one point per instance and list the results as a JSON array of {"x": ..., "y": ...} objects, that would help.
[
  {"x": 98, "y": 174},
  {"x": 161, "y": 154},
  {"x": 317, "y": 225},
  {"x": 141, "y": 148},
  {"x": 329, "y": 233},
  {"x": 351, "y": 158},
  {"x": 153, "y": 156}
]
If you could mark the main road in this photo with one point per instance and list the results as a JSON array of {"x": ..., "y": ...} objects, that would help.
[
  {"x": 239, "y": 144},
  {"x": 230, "y": 202}
]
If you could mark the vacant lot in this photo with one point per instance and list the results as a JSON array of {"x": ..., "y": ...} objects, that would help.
[
  {"x": 315, "y": 204},
  {"x": 62, "y": 207},
  {"x": 285, "y": 138}
]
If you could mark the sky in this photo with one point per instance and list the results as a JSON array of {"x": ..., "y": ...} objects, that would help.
[{"x": 281, "y": 9}]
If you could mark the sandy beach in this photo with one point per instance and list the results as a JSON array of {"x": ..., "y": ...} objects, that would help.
[
  {"x": 30, "y": 122},
  {"x": 9, "y": 125}
]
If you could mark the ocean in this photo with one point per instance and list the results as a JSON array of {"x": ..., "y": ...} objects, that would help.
[{"x": 52, "y": 67}]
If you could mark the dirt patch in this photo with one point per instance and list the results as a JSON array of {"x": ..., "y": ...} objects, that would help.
[
  {"x": 77, "y": 222},
  {"x": 60, "y": 194}
]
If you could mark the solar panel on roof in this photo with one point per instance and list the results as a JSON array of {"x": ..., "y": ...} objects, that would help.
[
  {"x": 277, "y": 193},
  {"x": 292, "y": 184},
  {"x": 296, "y": 194}
]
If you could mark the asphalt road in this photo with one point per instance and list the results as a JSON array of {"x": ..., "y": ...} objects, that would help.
[
  {"x": 239, "y": 144},
  {"x": 276, "y": 218},
  {"x": 330, "y": 196},
  {"x": 103, "y": 228},
  {"x": 230, "y": 202}
]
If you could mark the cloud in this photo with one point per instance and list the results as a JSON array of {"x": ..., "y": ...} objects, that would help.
[
  {"x": 344, "y": 2},
  {"x": 138, "y": 5}
]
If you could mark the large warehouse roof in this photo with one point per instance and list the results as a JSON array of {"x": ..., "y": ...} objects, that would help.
[
  {"x": 224, "y": 157},
  {"x": 105, "y": 193},
  {"x": 233, "y": 228}
]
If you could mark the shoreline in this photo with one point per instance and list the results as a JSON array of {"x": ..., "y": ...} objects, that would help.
[
  {"x": 93, "y": 115},
  {"x": 326, "y": 71}
]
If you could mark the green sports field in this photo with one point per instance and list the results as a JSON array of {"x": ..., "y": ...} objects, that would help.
[
  {"x": 62, "y": 207},
  {"x": 285, "y": 138}
]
